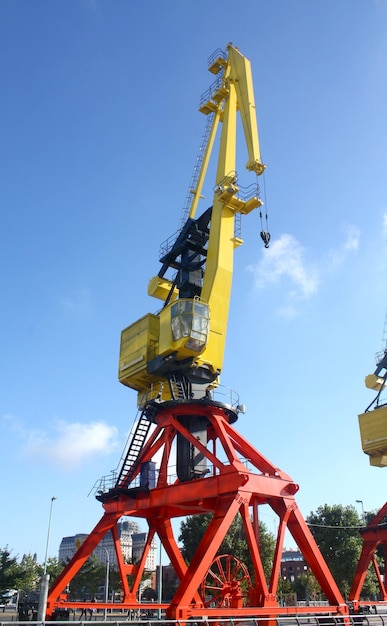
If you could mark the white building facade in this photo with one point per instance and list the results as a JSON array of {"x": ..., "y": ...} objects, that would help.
[{"x": 132, "y": 543}]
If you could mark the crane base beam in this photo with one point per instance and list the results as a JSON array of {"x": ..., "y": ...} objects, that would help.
[{"x": 230, "y": 486}]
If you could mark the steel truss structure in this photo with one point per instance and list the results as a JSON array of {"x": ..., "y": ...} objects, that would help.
[
  {"x": 373, "y": 535},
  {"x": 239, "y": 479}
]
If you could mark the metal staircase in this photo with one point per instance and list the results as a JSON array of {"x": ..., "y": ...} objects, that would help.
[
  {"x": 129, "y": 465},
  {"x": 179, "y": 386}
]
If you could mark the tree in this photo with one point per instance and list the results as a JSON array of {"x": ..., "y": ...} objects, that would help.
[
  {"x": 336, "y": 531},
  {"x": 191, "y": 533},
  {"x": 285, "y": 591},
  {"x": 307, "y": 587},
  {"x": 30, "y": 572},
  {"x": 115, "y": 585},
  {"x": 54, "y": 568},
  {"x": 24, "y": 576},
  {"x": 9, "y": 574},
  {"x": 86, "y": 582},
  {"x": 234, "y": 543},
  {"x": 149, "y": 594}
]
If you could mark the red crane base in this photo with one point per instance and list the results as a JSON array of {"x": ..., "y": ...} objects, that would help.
[
  {"x": 373, "y": 535},
  {"x": 230, "y": 486}
]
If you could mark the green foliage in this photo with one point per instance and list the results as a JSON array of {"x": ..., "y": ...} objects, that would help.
[
  {"x": 24, "y": 576},
  {"x": 149, "y": 594},
  {"x": 9, "y": 574},
  {"x": 168, "y": 590},
  {"x": 285, "y": 587},
  {"x": 86, "y": 582},
  {"x": 114, "y": 581},
  {"x": 266, "y": 547},
  {"x": 30, "y": 573},
  {"x": 234, "y": 543},
  {"x": 54, "y": 568},
  {"x": 191, "y": 533},
  {"x": 92, "y": 575},
  {"x": 371, "y": 586},
  {"x": 336, "y": 531},
  {"x": 307, "y": 587}
]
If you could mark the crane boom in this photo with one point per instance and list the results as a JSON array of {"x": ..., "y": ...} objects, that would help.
[
  {"x": 240, "y": 75},
  {"x": 178, "y": 352}
]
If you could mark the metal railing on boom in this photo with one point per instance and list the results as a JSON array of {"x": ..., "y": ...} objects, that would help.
[{"x": 196, "y": 171}]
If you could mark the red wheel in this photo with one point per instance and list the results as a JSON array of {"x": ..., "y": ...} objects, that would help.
[{"x": 227, "y": 583}]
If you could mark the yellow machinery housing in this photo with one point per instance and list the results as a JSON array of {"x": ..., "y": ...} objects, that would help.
[
  {"x": 139, "y": 344},
  {"x": 182, "y": 346},
  {"x": 373, "y": 433},
  {"x": 373, "y": 423}
]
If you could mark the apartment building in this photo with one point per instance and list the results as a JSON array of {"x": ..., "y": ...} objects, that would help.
[{"x": 132, "y": 543}]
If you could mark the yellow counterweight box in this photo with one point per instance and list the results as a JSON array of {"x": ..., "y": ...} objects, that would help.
[
  {"x": 139, "y": 344},
  {"x": 373, "y": 433}
]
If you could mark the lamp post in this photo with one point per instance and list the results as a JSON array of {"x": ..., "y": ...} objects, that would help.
[
  {"x": 160, "y": 581},
  {"x": 362, "y": 510},
  {"x": 41, "y": 616},
  {"x": 106, "y": 579},
  {"x": 48, "y": 535}
]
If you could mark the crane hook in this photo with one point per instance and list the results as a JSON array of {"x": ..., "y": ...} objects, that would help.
[{"x": 265, "y": 236}]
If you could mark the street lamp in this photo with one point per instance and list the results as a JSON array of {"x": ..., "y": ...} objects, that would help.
[
  {"x": 44, "y": 581},
  {"x": 106, "y": 579},
  {"x": 362, "y": 510},
  {"x": 48, "y": 535},
  {"x": 160, "y": 581}
]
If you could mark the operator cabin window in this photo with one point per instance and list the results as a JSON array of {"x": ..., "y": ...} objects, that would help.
[{"x": 190, "y": 318}]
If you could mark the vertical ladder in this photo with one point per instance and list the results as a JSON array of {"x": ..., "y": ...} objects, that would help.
[
  {"x": 180, "y": 387},
  {"x": 129, "y": 465},
  {"x": 196, "y": 170}
]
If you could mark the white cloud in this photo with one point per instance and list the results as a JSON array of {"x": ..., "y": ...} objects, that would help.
[
  {"x": 285, "y": 260},
  {"x": 11, "y": 422},
  {"x": 72, "y": 444},
  {"x": 350, "y": 246}
]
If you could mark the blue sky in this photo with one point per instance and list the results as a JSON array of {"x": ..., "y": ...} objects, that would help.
[{"x": 98, "y": 138}]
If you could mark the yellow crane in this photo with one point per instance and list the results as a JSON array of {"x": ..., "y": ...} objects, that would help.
[
  {"x": 193, "y": 461},
  {"x": 373, "y": 434},
  {"x": 373, "y": 423},
  {"x": 177, "y": 353}
]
